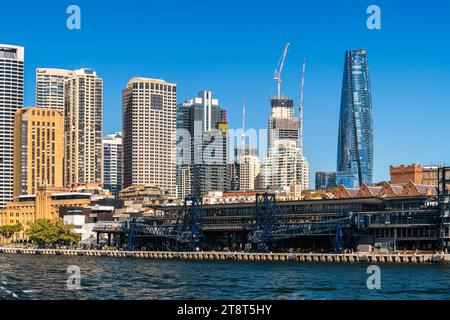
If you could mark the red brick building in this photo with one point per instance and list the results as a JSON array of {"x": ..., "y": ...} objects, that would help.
[{"x": 416, "y": 173}]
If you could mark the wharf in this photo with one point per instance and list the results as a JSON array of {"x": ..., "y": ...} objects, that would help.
[{"x": 242, "y": 256}]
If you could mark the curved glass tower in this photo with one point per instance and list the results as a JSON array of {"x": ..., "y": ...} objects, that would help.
[{"x": 355, "y": 141}]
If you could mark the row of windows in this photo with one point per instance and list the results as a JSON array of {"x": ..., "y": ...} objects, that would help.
[{"x": 154, "y": 86}]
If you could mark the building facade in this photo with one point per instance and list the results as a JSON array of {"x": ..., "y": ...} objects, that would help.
[
  {"x": 38, "y": 150},
  {"x": 112, "y": 163},
  {"x": 149, "y": 133},
  {"x": 418, "y": 174},
  {"x": 285, "y": 166},
  {"x": 202, "y": 144},
  {"x": 51, "y": 88},
  {"x": 347, "y": 179},
  {"x": 83, "y": 128},
  {"x": 325, "y": 180},
  {"x": 249, "y": 169},
  {"x": 430, "y": 175},
  {"x": 234, "y": 175},
  {"x": 11, "y": 99},
  {"x": 355, "y": 138},
  {"x": 45, "y": 204}
]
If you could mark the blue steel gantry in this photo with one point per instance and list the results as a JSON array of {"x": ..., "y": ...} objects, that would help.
[
  {"x": 271, "y": 225},
  {"x": 262, "y": 226},
  {"x": 187, "y": 230}
]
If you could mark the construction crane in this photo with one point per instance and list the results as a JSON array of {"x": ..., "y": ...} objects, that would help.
[
  {"x": 300, "y": 106},
  {"x": 243, "y": 127},
  {"x": 279, "y": 69}
]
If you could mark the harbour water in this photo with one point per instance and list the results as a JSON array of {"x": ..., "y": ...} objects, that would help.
[{"x": 45, "y": 277}]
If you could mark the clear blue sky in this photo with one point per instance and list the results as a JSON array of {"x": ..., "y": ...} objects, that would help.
[{"x": 231, "y": 47}]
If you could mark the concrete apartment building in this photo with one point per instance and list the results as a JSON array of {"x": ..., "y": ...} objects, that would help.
[
  {"x": 149, "y": 133},
  {"x": 11, "y": 99},
  {"x": 285, "y": 166},
  {"x": 249, "y": 173},
  {"x": 112, "y": 163},
  {"x": 83, "y": 128},
  {"x": 50, "y": 88},
  {"x": 38, "y": 150}
]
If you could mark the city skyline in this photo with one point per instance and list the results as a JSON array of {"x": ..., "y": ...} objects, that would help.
[
  {"x": 406, "y": 75},
  {"x": 224, "y": 150}
]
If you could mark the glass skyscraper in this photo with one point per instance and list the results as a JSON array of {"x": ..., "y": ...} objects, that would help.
[{"x": 355, "y": 141}]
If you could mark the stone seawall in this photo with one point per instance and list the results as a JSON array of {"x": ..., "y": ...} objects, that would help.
[{"x": 243, "y": 256}]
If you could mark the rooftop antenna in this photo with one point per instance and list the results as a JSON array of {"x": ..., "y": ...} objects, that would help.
[
  {"x": 300, "y": 106},
  {"x": 279, "y": 69}
]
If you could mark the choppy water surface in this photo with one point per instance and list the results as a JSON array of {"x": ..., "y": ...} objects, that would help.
[{"x": 45, "y": 277}]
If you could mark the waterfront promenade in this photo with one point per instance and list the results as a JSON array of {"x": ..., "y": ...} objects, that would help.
[{"x": 242, "y": 256}]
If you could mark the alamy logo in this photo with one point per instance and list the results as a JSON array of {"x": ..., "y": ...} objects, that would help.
[
  {"x": 374, "y": 20},
  {"x": 73, "y": 22},
  {"x": 374, "y": 280},
  {"x": 74, "y": 280}
]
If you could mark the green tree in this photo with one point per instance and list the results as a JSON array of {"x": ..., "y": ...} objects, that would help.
[
  {"x": 46, "y": 232},
  {"x": 8, "y": 230}
]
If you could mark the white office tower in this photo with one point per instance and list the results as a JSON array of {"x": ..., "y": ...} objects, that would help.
[
  {"x": 112, "y": 163},
  {"x": 285, "y": 167},
  {"x": 83, "y": 128},
  {"x": 50, "y": 87},
  {"x": 11, "y": 99},
  {"x": 149, "y": 124}
]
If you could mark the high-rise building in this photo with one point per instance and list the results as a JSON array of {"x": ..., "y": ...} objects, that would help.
[
  {"x": 38, "y": 150},
  {"x": 234, "y": 170},
  {"x": 149, "y": 133},
  {"x": 247, "y": 162},
  {"x": 184, "y": 176},
  {"x": 249, "y": 170},
  {"x": 285, "y": 167},
  {"x": 112, "y": 163},
  {"x": 283, "y": 124},
  {"x": 202, "y": 144},
  {"x": 325, "y": 180},
  {"x": 50, "y": 88},
  {"x": 355, "y": 140},
  {"x": 11, "y": 99},
  {"x": 83, "y": 128}
]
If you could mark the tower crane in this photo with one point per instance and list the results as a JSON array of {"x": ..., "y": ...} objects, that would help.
[
  {"x": 279, "y": 69},
  {"x": 243, "y": 127}
]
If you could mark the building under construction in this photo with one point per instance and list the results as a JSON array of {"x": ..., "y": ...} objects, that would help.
[{"x": 285, "y": 165}]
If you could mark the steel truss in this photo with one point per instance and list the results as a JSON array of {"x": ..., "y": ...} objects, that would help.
[
  {"x": 187, "y": 231},
  {"x": 271, "y": 225}
]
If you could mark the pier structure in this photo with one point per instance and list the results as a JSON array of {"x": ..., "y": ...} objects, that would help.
[
  {"x": 243, "y": 256},
  {"x": 329, "y": 225}
]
